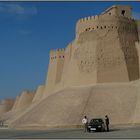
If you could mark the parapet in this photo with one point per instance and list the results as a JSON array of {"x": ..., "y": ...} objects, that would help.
[
  {"x": 57, "y": 54},
  {"x": 138, "y": 27},
  {"x": 88, "y": 19},
  {"x": 109, "y": 16}
]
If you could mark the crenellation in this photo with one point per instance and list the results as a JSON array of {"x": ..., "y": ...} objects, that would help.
[
  {"x": 81, "y": 19},
  {"x": 57, "y": 53},
  {"x": 89, "y": 18},
  {"x": 97, "y": 19},
  {"x": 94, "y": 25},
  {"x": 92, "y": 17}
]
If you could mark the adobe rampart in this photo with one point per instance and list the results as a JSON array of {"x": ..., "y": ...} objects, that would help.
[
  {"x": 5, "y": 106},
  {"x": 91, "y": 54},
  {"x": 99, "y": 63}
]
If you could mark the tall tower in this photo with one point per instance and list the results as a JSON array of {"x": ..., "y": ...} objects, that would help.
[
  {"x": 104, "y": 48},
  {"x": 55, "y": 69}
]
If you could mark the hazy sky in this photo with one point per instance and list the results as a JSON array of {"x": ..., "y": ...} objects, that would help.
[{"x": 28, "y": 30}]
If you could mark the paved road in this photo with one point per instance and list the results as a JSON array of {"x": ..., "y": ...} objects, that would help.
[{"x": 129, "y": 132}]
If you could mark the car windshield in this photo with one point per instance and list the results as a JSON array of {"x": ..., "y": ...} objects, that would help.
[{"x": 96, "y": 121}]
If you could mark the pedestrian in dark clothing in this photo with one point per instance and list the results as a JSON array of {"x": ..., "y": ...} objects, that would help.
[{"x": 107, "y": 123}]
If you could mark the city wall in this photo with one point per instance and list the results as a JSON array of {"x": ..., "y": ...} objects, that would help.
[
  {"x": 55, "y": 70},
  {"x": 91, "y": 54},
  {"x": 138, "y": 27},
  {"x": 38, "y": 94},
  {"x": 24, "y": 100},
  {"x": 5, "y": 106},
  {"x": 99, "y": 63}
]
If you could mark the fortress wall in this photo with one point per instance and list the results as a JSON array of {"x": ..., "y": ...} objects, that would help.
[
  {"x": 15, "y": 103},
  {"x": 75, "y": 72},
  {"x": 60, "y": 64},
  {"x": 39, "y": 93},
  {"x": 104, "y": 27},
  {"x": 97, "y": 22},
  {"x": 86, "y": 24},
  {"x": 68, "y": 55},
  {"x": 55, "y": 70},
  {"x": 5, "y": 106},
  {"x": 110, "y": 61},
  {"x": 24, "y": 100},
  {"x": 138, "y": 50},
  {"x": 90, "y": 54},
  {"x": 52, "y": 69},
  {"x": 66, "y": 66},
  {"x": 23, "y": 103},
  {"x": 122, "y": 57},
  {"x": 128, "y": 36},
  {"x": 106, "y": 49},
  {"x": 93, "y": 101},
  {"x": 110, "y": 11},
  {"x": 127, "y": 9},
  {"x": 111, "y": 14},
  {"x": 138, "y": 27},
  {"x": 62, "y": 67}
]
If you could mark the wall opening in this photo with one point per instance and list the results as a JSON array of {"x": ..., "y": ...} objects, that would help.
[{"x": 123, "y": 12}]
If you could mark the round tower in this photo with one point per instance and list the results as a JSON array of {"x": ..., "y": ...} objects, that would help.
[{"x": 104, "y": 48}]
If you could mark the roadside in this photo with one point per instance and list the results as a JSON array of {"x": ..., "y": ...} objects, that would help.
[{"x": 115, "y": 132}]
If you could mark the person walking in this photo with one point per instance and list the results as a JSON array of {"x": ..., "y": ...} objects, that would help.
[
  {"x": 85, "y": 123},
  {"x": 107, "y": 122}
]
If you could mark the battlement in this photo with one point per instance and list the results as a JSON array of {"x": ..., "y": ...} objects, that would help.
[
  {"x": 123, "y": 11},
  {"x": 85, "y": 19},
  {"x": 57, "y": 50},
  {"x": 88, "y": 24},
  {"x": 110, "y": 15},
  {"x": 96, "y": 17},
  {"x": 57, "y": 53}
]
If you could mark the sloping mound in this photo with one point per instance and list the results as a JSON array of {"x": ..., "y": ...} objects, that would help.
[
  {"x": 11, "y": 115},
  {"x": 5, "y": 106},
  {"x": 15, "y": 103},
  {"x": 39, "y": 94},
  {"x": 22, "y": 102},
  {"x": 66, "y": 108}
]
